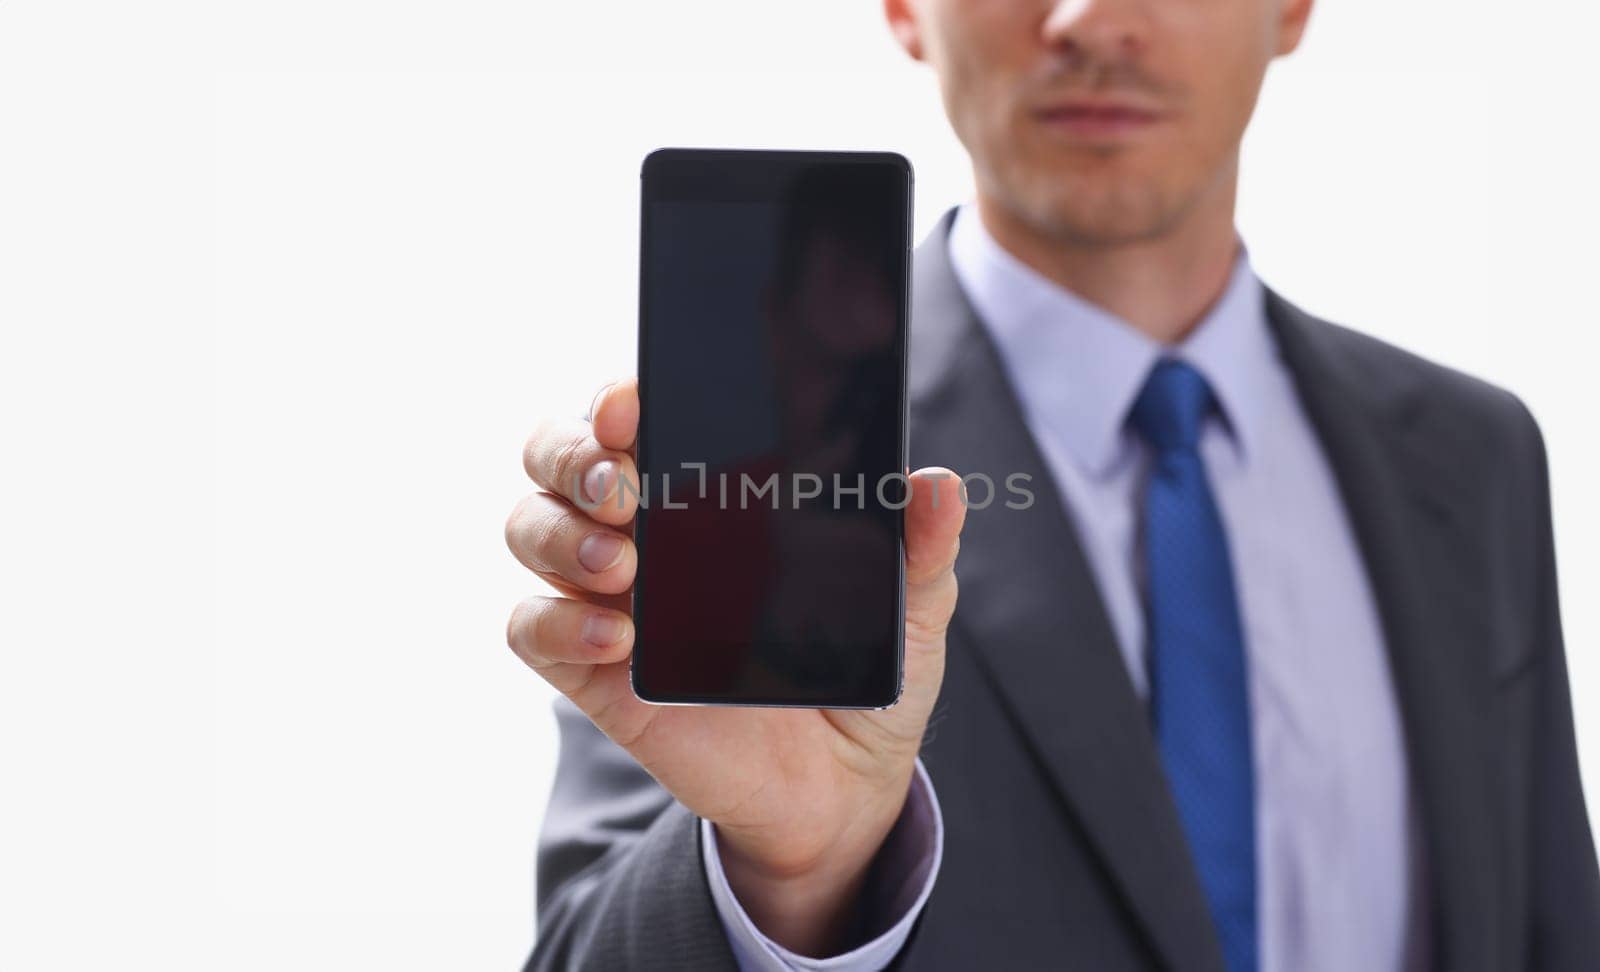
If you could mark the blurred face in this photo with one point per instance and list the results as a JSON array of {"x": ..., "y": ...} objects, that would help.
[{"x": 1100, "y": 122}]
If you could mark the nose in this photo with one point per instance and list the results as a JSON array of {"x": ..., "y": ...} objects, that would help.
[{"x": 1097, "y": 30}]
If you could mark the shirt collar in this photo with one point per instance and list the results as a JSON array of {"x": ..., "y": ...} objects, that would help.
[{"x": 1078, "y": 367}]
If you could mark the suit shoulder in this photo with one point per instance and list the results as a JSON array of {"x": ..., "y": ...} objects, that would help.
[{"x": 1432, "y": 386}]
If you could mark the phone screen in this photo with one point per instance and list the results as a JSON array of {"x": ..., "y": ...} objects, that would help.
[{"x": 772, "y": 437}]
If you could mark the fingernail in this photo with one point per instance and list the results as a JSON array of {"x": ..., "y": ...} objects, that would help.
[
  {"x": 603, "y": 629},
  {"x": 596, "y": 399},
  {"x": 599, "y": 551},
  {"x": 597, "y": 481}
]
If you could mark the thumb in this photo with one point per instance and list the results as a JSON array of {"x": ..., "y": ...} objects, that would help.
[
  {"x": 934, "y": 514},
  {"x": 934, "y": 517},
  {"x": 933, "y": 520}
]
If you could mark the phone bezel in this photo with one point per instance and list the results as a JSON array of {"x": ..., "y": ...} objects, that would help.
[{"x": 752, "y": 172}]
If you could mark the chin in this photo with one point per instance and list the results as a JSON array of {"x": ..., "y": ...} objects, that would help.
[{"x": 1097, "y": 211}]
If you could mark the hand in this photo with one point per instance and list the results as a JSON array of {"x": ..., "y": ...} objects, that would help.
[{"x": 801, "y": 798}]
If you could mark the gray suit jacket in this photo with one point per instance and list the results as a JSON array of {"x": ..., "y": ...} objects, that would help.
[{"x": 1062, "y": 846}]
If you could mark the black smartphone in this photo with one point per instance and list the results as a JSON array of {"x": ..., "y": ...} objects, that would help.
[{"x": 774, "y": 298}]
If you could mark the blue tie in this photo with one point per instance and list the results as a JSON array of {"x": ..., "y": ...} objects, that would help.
[{"x": 1198, "y": 695}]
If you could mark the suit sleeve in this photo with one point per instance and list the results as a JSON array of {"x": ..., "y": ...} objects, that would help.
[
  {"x": 1564, "y": 932},
  {"x": 620, "y": 880}
]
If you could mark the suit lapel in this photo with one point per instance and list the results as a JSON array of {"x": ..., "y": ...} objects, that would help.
[
  {"x": 1031, "y": 607},
  {"x": 1393, "y": 473}
]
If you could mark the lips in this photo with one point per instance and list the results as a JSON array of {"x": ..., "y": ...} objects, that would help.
[{"x": 1099, "y": 119}]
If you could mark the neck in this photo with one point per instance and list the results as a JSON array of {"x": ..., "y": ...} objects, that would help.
[{"x": 1162, "y": 285}]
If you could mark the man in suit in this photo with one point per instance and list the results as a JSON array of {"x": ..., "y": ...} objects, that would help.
[{"x": 1269, "y": 677}]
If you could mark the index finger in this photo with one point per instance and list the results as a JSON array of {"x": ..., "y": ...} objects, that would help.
[
  {"x": 574, "y": 460},
  {"x": 615, "y": 414}
]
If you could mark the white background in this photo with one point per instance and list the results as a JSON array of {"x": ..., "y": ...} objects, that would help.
[{"x": 283, "y": 286}]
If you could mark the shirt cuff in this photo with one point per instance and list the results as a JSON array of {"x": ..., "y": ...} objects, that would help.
[{"x": 909, "y": 863}]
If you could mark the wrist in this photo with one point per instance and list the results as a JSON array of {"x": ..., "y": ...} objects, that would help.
[{"x": 808, "y": 907}]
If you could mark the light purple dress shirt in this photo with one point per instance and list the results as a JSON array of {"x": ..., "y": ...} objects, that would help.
[{"x": 1338, "y": 868}]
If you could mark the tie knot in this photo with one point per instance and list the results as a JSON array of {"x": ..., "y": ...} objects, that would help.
[{"x": 1171, "y": 406}]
